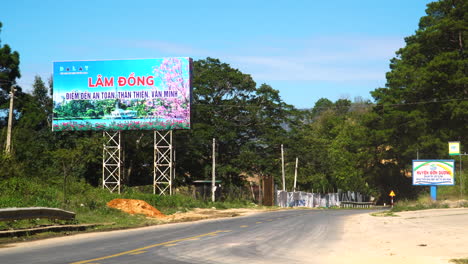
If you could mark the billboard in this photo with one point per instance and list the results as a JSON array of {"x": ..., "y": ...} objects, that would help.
[
  {"x": 138, "y": 94},
  {"x": 433, "y": 172}
]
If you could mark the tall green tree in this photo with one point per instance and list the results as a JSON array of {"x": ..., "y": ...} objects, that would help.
[
  {"x": 32, "y": 131},
  {"x": 9, "y": 70},
  {"x": 332, "y": 146},
  {"x": 270, "y": 117},
  {"x": 246, "y": 122},
  {"x": 220, "y": 99},
  {"x": 322, "y": 105},
  {"x": 425, "y": 101}
]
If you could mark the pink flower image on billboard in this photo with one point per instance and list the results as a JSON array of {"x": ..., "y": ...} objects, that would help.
[{"x": 140, "y": 94}]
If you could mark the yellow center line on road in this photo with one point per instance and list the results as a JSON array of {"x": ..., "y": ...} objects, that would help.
[
  {"x": 244, "y": 226},
  {"x": 259, "y": 222},
  {"x": 133, "y": 251},
  {"x": 170, "y": 245}
]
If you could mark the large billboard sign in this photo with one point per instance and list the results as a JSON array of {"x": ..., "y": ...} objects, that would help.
[
  {"x": 140, "y": 94},
  {"x": 433, "y": 172}
]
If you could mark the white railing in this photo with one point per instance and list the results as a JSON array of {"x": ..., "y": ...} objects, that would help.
[{"x": 304, "y": 199}]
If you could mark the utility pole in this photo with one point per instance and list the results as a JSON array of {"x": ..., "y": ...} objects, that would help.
[
  {"x": 461, "y": 177},
  {"x": 295, "y": 174},
  {"x": 10, "y": 121},
  {"x": 282, "y": 167},
  {"x": 213, "y": 176}
]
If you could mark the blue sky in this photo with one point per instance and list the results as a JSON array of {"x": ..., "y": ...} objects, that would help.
[{"x": 306, "y": 49}]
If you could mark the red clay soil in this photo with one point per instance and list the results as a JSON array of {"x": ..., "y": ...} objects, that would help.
[{"x": 132, "y": 206}]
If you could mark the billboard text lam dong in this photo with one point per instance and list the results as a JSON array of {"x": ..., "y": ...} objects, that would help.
[{"x": 144, "y": 94}]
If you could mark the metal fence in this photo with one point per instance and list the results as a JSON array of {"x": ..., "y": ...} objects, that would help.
[{"x": 304, "y": 199}]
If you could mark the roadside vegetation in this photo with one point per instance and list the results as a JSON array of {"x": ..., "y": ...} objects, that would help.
[
  {"x": 447, "y": 197},
  {"x": 418, "y": 205},
  {"x": 89, "y": 203},
  {"x": 460, "y": 261},
  {"x": 363, "y": 145}
]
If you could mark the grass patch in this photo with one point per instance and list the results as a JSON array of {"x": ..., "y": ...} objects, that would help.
[
  {"x": 22, "y": 224},
  {"x": 90, "y": 203},
  {"x": 385, "y": 214},
  {"x": 422, "y": 203},
  {"x": 459, "y": 261}
]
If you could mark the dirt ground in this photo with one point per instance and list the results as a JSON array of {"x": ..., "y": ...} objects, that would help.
[
  {"x": 132, "y": 206},
  {"x": 427, "y": 236},
  {"x": 203, "y": 213}
]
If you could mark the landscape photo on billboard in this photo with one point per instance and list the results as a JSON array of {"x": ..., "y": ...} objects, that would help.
[{"x": 114, "y": 95}]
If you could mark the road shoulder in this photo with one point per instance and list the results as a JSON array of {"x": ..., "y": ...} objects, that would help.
[{"x": 427, "y": 236}]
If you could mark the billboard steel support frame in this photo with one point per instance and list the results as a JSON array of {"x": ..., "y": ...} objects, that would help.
[
  {"x": 111, "y": 161},
  {"x": 163, "y": 163}
]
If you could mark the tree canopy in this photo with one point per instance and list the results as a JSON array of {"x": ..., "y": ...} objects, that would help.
[
  {"x": 356, "y": 145},
  {"x": 9, "y": 69},
  {"x": 425, "y": 102}
]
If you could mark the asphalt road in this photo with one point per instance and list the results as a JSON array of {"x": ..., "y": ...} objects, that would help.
[{"x": 291, "y": 236}]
